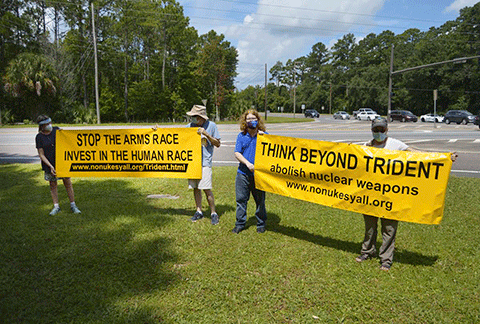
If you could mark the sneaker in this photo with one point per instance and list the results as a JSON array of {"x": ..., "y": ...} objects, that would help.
[
  {"x": 384, "y": 267},
  {"x": 261, "y": 230},
  {"x": 75, "y": 210},
  {"x": 237, "y": 229},
  {"x": 215, "y": 219},
  {"x": 197, "y": 216},
  {"x": 55, "y": 211},
  {"x": 363, "y": 257}
]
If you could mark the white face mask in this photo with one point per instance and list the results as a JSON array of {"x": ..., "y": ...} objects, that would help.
[{"x": 48, "y": 128}]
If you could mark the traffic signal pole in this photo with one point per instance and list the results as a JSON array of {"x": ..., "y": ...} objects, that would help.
[{"x": 392, "y": 73}]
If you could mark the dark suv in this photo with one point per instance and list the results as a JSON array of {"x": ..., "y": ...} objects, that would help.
[
  {"x": 402, "y": 115},
  {"x": 459, "y": 116},
  {"x": 312, "y": 113}
]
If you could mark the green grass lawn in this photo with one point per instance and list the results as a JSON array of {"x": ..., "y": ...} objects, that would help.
[{"x": 129, "y": 259}]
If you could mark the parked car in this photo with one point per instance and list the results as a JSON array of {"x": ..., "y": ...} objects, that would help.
[
  {"x": 367, "y": 115},
  {"x": 431, "y": 118},
  {"x": 312, "y": 113},
  {"x": 402, "y": 115},
  {"x": 356, "y": 112},
  {"x": 459, "y": 116},
  {"x": 341, "y": 115}
]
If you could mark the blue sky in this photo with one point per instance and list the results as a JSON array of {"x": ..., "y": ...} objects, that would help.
[{"x": 267, "y": 31}]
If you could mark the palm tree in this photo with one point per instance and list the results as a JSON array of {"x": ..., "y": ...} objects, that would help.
[{"x": 31, "y": 79}]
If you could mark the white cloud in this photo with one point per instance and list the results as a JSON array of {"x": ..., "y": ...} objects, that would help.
[
  {"x": 460, "y": 4},
  {"x": 279, "y": 31}
]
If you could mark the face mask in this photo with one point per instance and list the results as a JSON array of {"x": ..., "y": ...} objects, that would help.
[
  {"x": 48, "y": 128},
  {"x": 252, "y": 124},
  {"x": 379, "y": 137},
  {"x": 198, "y": 121}
]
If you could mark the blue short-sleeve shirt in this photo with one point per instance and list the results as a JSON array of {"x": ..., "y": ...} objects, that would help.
[
  {"x": 246, "y": 145},
  {"x": 207, "y": 147}
]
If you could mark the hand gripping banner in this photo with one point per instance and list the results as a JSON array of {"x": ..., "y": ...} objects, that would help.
[
  {"x": 165, "y": 153},
  {"x": 405, "y": 186}
]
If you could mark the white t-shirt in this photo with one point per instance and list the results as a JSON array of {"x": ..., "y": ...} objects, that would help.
[{"x": 390, "y": 144}]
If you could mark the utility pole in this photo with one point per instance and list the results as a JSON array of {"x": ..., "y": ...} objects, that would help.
[
  {"x": 97, "y": 102},
  {"x": 294, "y": 87},
  {"x": 330, "y": 100},
  {"x": 389, "y": 109},
  {"x": 392, "y": 73},
  {"x": 435, "y": 94},
  {"x": 217, "y": 117},
  {"x": 265, "y": 91}
]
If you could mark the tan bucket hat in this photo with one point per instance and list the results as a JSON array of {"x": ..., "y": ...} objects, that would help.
[{"x": 198, "y": 110}]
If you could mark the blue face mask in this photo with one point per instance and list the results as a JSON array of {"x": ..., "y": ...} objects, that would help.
[
  {"x": 252, "y": 124},
  {"x": 379, "y": 137}
]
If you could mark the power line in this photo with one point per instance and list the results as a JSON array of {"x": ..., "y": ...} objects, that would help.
[
  {"x": 331, "y": 11},
  {"x": 290, "y": 8}
]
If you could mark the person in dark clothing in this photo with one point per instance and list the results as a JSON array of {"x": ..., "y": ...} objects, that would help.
[{"x": 45, "y": 143}]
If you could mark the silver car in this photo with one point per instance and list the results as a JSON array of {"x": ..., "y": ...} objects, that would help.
[
  {"x": 341, "y": 115},
  {"x": 367, "y": 115}
]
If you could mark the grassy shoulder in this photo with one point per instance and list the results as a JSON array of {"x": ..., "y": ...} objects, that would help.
[{"x": 130, "y": 259}]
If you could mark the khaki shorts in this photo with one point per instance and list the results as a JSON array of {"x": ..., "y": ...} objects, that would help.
[
  {"x": 51, "y": 177},
  {"x": 204, "y": 183}
]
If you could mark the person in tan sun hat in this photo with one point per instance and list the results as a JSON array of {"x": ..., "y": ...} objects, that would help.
[{"x": 210, "y": 139}]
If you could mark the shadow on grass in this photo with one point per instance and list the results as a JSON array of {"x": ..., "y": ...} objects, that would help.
[
  {"x": 401, "y": 256},
  {"x": 220, "y": 209},
  {"x": 96, "y": 267},
  {"x": 18, "y": 158}
]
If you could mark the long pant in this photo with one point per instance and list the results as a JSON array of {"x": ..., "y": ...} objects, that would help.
[
  {"x": 389, "y": 231},
  {"x": 244, "y": 185}
]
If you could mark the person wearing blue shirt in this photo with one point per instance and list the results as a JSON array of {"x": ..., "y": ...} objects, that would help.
[
  {"x": 210, "y": 139},
  {"x": 251, "y": 125}
]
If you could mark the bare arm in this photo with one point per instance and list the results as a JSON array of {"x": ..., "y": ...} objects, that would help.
[
  {"x": 213, "y": 140},
  {"x": 239, "y": 156},
  {"x": 41, "y": 154}
]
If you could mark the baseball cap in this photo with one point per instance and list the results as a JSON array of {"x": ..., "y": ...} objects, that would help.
[{"x": 379, "y": 122}]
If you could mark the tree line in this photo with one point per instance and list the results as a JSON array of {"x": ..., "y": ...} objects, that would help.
[
  {"x": 153, "y": 66},
  {"x": 354, "y": 73}
]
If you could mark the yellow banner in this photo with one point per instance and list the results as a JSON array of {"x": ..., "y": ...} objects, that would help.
[
  {"x": 166, "y": 153},
  {"x": 400, "y": 185}
]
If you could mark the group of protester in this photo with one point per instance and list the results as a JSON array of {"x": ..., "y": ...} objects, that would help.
[{"x": 251, "y": 125}]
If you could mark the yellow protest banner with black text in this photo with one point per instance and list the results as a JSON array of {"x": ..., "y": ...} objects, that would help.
[
  {"x": 165, "y": 153},
  {"x": 400, "y": 185}
]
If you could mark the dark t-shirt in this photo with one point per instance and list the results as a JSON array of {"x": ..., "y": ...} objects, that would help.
[{"x": 47, "y": 143}]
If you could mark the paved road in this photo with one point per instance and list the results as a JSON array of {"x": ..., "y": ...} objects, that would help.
[
  {"x": 17, "y": 144},
  {"x": 463, "y": 139}
]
